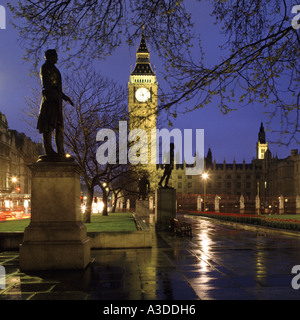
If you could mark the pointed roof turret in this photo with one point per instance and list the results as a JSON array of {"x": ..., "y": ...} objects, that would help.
[
  {"x": 261, "y": 134},
  {"x": 143, "y": 66},
  {"x": 208, "y": 159},
  {"x": 143, "y": 46}
]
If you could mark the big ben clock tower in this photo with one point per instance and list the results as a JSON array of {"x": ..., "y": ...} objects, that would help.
[
  {"x": 142, "y": 98},
  {"x": 142, "y": 91}
]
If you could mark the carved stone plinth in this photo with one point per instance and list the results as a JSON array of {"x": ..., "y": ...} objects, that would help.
[
  {"x": 142, "y": 208},
  {"x": 165, "y": 206},
  {"x": 56, "y": 238}
]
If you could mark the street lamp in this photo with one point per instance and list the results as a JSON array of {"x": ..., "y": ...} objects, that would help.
[
  {"x": 13, "y": 184},
  {"x": 204, "y": 177}
]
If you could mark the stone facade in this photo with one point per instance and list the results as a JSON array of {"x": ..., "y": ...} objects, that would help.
[
  {"x": 269, "y": 177},
  {"x": 16, "y": 152},
  {"x": 266, "y": 175}
]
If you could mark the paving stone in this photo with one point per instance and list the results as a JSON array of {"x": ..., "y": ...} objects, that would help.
[{"x": 218, "y": 263}]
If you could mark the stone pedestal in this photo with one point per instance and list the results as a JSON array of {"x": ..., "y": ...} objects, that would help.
[
  {"x": 165, "y": 206},
  {"x": 142, "y": 208},
  {"x": 128, "y": 204},
  {"x": 257, "y": 204},
  {"x": 281, "y": 204},
  {"x": 151, "y": 204},
  {"x": 242, "y": 204},
  {"x": 199, "y": 203},
  {"x": 297, "y": 204},
  {"x": 56, "y": 238},
  {"x": 217, "y": 203}
]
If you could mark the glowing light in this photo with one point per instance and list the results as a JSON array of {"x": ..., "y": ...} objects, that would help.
[
  {"x": 204, "y": 175},
  {"x": 100, "y": 205},
  {"x": 203, "y": 253}
]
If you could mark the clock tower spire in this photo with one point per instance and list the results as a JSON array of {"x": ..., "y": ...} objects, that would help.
[
  {"x": 142, "y": 96},
  {"x": 142, "y": 91},
  {"x": 143, "y": 66}
]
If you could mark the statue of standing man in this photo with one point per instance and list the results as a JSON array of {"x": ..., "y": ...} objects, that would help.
[
  {"x": 51, "y": 114},
  {"x": 168, "y": 168}
]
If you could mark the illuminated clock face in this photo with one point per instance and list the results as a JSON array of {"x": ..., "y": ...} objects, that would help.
[{"x": 142, "y": 94}]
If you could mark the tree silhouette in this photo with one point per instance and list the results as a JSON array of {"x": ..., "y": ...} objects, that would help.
[{"x": 259, "y": 64}]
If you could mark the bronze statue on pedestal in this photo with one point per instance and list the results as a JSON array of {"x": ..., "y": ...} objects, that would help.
[
  {"x": 51, "y": 114},
  {"x": 168, "y": 169}
]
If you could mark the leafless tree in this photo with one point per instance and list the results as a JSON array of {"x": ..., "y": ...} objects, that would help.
[
  {"x": 99, "y": 103},
  {"x": 260, "y": 62}
]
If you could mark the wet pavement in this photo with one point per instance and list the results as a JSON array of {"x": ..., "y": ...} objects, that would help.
[{"x": 219, "y": 262}]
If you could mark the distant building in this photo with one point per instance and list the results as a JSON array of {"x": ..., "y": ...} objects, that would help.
[
  {"x": 282, "y": 178},
  {"x": 266, "y": 176},
  {"x": 16, "y": 152}
]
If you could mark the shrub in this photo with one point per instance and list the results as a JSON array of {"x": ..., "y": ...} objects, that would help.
[{"x": 273, "y": 222}]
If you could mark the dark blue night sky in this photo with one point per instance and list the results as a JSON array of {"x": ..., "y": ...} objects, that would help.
[{"x": 231, "y": 136}]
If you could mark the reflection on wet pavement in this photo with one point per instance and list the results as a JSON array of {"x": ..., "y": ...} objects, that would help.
[{"x": 218, "y": 262}]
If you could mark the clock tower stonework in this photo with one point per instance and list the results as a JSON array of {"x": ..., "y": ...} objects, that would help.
[
  {"x": 142, "y": 100},
  {"x": 142, "y": 91}
]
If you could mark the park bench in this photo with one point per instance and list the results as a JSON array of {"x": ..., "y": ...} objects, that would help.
[
  {"x": 182, "y": 228},
  {"x": 169, "y": 224}
]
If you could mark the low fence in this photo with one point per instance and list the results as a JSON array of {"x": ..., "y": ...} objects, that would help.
[{"x": 234, "y": 204}]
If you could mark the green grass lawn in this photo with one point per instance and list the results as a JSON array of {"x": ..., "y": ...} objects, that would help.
[
  {"x": 113, "y": 222},
  {"x": 14, "y": 225}
]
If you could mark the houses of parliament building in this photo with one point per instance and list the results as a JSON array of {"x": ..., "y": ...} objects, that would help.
[{"x": 266, "y": 176}]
